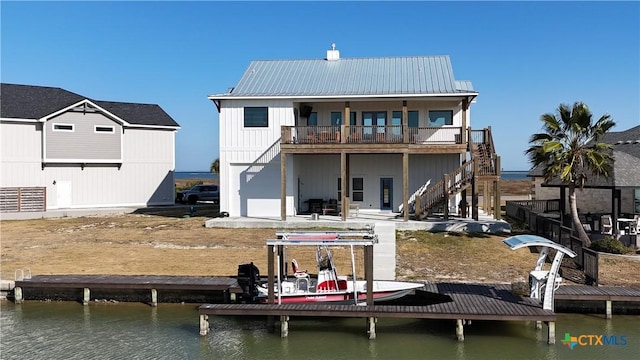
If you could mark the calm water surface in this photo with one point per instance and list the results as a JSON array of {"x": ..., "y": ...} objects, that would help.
[{"x": 68, "y": 330}]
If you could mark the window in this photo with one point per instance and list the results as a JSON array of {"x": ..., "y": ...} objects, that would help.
[
  {"x": 63, "y": 127},
  {"x": 370, "y": 118},
  {"x": 256, "y": 117},
  {"x": 440, "y": 117},
  {"x": 102, "y": 129},
  {"x": 336, "y": 118},
  {"x": 339, "y": 188},
  {"x": 358, "y": 189},
  {"x": 412, "y": 118},
  {"x": 313, "y": 119},
  {"x": 637, "y": 201}
]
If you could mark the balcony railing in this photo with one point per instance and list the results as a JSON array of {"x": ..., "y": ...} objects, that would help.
[{"x": 359, "y": 134}]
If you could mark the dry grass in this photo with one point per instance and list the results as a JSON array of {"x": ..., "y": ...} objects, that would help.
[{"x": 171, "y": 244}]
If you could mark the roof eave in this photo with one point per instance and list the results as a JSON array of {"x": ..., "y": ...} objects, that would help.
[{"x": 345, "y": 97}]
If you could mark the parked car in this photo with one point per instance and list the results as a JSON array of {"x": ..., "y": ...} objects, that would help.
[{"x": 199, "y": 193}]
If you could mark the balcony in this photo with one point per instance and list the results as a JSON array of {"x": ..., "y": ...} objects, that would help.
[{"x": 367, "y": 135}]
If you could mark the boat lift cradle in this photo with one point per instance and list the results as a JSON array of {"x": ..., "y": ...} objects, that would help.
[{"x": 543, "y": 282}]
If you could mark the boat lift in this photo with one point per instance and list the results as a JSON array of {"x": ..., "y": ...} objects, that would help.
[
  {"x": 366, "y": 238},
  {"x": 543, "y": 283}
]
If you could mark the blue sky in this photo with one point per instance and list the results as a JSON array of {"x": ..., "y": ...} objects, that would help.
[{"x": 524, "y": 58}]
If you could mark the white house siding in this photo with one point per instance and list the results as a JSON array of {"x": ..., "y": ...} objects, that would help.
[
  {"x": 250, "y": 158},
  {"x": 318, "y": 175},
  {"x": 83, "y": 143},
  {"x": 145, "y": 177}
]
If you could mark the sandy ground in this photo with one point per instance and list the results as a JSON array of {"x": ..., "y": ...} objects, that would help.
[{"x": 171, "y": 243}]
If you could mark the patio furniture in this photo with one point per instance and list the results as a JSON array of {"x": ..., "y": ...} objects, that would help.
[
  {"x": 606, "y": 225},
  {"x": 331, "y": 207}
]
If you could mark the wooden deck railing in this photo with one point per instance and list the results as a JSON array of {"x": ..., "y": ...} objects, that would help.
[
  {"x": 540, "y": 223},
  {"x": 361, "y": 134},
  {"x": 450, "y": 184}
]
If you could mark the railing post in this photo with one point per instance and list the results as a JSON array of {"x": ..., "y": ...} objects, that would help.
[{"x": 445, "y": 194}]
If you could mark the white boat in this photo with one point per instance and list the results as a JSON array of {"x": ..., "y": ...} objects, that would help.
[{"x": 325, "y": 287}]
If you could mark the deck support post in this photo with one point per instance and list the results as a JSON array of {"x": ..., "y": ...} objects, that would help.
[
  {"x": 154, "y": 297},
  {"x": 86, "y": 296},
  {"x": 17, "y": 295},
  {"x": 204, "y": 324},
  {"x": 551, "y": 325},
  {"x": 608, "y": 309},
  {"x": 284, "y": 326},
  {"x": 460, "y": 330},
  {"x": 371, "y": 327}
]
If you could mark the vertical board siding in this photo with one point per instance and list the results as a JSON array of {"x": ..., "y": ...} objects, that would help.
[
  {"x": 83, "y": 142},
  {"x": 144, "y": 178}
]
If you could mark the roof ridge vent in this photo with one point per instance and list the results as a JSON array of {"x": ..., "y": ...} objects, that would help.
[{"x": 333, "y": 54}]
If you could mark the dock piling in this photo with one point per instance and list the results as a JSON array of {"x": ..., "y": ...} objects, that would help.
[
  {"x": 154, "y": 297},
  {"x": 204, "y": 324},
  {"x": 608, "y": 309},
  {"x": 17, "y": 294},
  {"x": 460, "y": 330},
  {"x": 86, "y": 296},
  {"x": 552, "y": 332},
  {"x": 284, "y": 326},
  {"x": 371, "y": 327}
]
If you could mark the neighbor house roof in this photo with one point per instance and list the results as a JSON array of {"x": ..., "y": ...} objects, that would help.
[
  {"x": 626, "y": 164},
  {"x": 37, "y": 102},
  {"x": 345, "y": 77}
]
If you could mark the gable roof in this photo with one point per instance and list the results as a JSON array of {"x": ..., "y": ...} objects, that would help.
[
  {"x": 374, "y": 77},
  {"x": 37, "y": 102},
  {"x": 626, "y": 164}
]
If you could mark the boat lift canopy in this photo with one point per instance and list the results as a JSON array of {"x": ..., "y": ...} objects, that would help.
[
  {"x": 543, "y": 283},
  {"x": 366, "y": 238},
  {"x": 293, "y": 238}
]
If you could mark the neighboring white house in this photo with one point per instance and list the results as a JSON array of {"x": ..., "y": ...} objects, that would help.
[
  {"x": 286, "y": 149},
  {"x": 85, "y": 153}
]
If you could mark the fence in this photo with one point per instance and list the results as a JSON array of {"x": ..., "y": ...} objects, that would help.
[
  {"x": 545, "y": 224},
  {"x": 23, "y": 199}
]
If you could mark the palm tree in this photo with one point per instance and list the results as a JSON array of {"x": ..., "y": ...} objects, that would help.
[
  {"x": 215, "y": 166},
  {"x": 569, "y": 150}
]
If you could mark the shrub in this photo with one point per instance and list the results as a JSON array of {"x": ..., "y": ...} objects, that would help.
[{"x": 610, "y": 245}]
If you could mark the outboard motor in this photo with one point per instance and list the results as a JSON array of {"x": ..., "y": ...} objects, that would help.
[{"x": 248, "y": 279}]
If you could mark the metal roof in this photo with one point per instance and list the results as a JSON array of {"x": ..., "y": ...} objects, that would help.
[
  {"x": 417, "y": 75},
  {"x": 520, "y": 241}
]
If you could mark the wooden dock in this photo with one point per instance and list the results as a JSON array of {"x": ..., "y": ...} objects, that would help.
[
  {"x": 608, "y": 294},
  {"x": 464, "y": 302},
  {"x": 121, "y": 282}
]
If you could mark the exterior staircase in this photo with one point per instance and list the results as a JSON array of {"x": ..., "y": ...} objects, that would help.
[{"x": 484, "y": 165}]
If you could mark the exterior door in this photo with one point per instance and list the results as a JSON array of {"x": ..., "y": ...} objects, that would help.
[
  {"x": 386, "y": 193},
  {"x": 63, "y": 191}
]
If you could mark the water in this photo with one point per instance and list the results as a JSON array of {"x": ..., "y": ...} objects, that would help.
[
  {"x": 514, "y": 175},
  {"x": 180, "y": 175},
  {"x": 68, "y": 330}
]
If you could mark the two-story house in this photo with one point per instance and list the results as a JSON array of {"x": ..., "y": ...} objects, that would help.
[
  {"x": 77, "y": 152},
  {"x": 298, "y": 136}
]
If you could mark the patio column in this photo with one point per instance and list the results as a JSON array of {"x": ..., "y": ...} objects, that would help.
[
  {"x": 283, "y": 186},
  {"x": 343, "y": 186},
  {"x": 465, "y": 107},
  {"x": 405, "y": 185},
  {"x": 346, "y": 123},
  {"x": 405, "y": 122}
]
